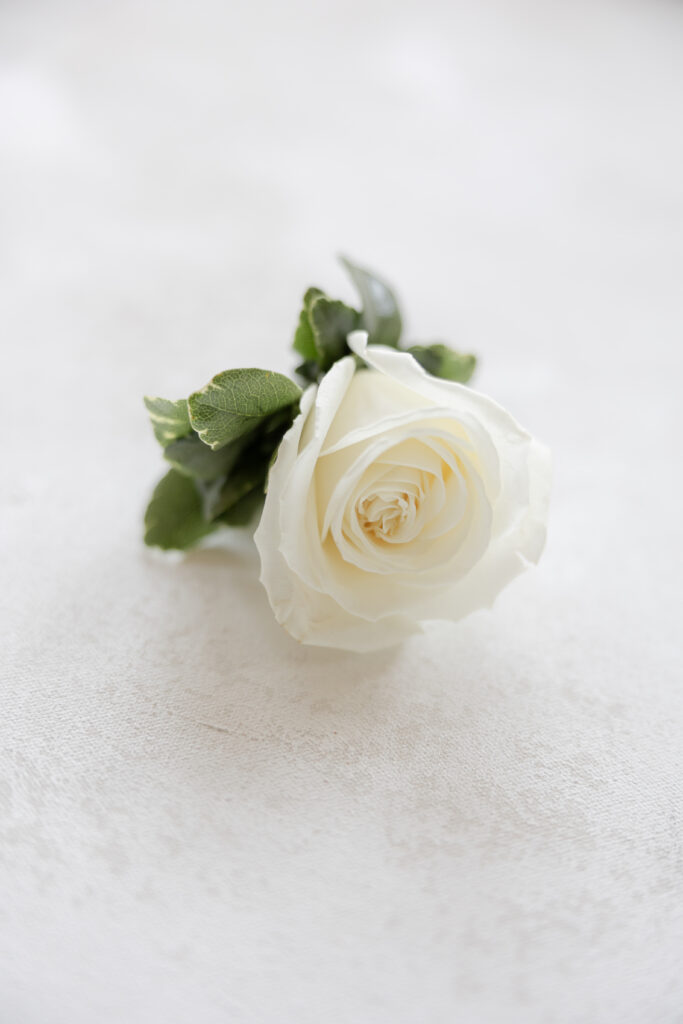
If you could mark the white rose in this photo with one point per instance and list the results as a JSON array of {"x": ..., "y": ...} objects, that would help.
[{"x": 396, "y": 498}]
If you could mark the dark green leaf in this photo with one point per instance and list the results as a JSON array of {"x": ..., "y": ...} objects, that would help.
[
  {"x": 236, "y": 402},
  {"x": 223, "y": 493},
  {"x": 272, "y": 429},
  {"x": 442, "y": 361},
  {"x": 174, "y": 517},
  {"x": 249, "y": 470},
  {"x": 170, "y": 420},
  {"x": 332, "y": 321},
  {"x": 381, "y": 315},
  {"x": 308, "y": 371},
  {"x": 192, "y": 457},
  {"x": 244, "y": 510}
]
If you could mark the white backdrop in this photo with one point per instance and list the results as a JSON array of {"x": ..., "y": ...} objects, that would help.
[{"x": 201, "y": 820}]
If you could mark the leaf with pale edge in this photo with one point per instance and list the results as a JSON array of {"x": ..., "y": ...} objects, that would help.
[
  {"x": 192, "y": 457},
  {"x": 442, "y": 361},
  {"x": 174, "y": 517},
  {"x": 235, "y": 402},
  {"x": 381, "y": 316},
  {"x": 170, "y": 420},
  {"x": 304, "y": 340}
]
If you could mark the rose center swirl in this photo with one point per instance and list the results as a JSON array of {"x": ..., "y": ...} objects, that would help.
[{"x": 384, "y": 515}]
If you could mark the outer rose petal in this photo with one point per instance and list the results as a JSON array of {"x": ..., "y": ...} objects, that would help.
[
  {"x": 521, "y": 513},
  {"x": 321, "y": 597},
  {"x": 309, "y": 615}
]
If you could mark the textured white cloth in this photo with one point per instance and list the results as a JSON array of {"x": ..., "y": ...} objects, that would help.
[{"x": 201, "y": 820}]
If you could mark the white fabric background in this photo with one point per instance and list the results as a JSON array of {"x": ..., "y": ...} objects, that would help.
[{"x": 202, "y": 821}]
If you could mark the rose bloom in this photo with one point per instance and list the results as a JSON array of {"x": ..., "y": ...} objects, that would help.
[{"x": 396, "y": 498}]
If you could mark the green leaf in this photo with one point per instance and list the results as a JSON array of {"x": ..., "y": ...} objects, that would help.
[
  {"x": 273, "y": 428},
  {"x": 332, "y": 321},
  {"x": 174, "y": 517},
  {"x": 304, "y": 339},
  {"x": 220, "y": 495},
  {"x": 304, "y": 342},
  {"x": 442, "y": 361},
  {"x": 308, "y": 371},
  {"x": 192, "y": 457},
  {"x": 244, "y": 510},
  {"x": 170, "y": 420},
  {"x": 381, "y": 315},
  {"x": 248, "y": 471},
  {"x": 235, "y": 402}
]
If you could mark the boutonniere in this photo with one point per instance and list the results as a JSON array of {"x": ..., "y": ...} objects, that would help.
[{"x": 387, "y": 491}]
